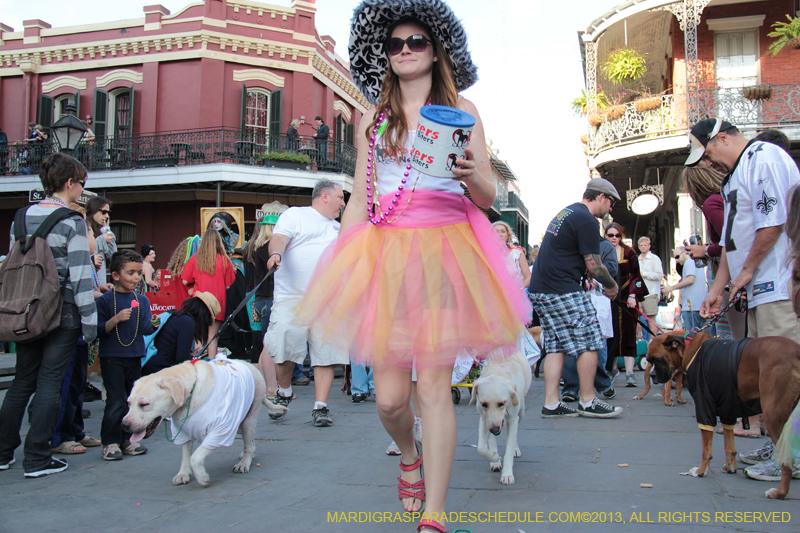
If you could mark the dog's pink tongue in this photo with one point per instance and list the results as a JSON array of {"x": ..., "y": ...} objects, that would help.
[{"x": 136, "y": 437}]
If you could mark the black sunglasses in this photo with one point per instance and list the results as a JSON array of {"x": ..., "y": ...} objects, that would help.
[
  {"x": 612, "y": 234},
  {"x": 416, "y": 43},
  {"x": 611, "y": 199},
  {"x": 105, "y": 211}
]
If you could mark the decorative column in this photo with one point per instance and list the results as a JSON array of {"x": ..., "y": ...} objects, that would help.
[{"x": 692, "y": 11}]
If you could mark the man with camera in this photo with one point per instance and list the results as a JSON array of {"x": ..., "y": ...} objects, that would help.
[{"x": 693, "y": 290}]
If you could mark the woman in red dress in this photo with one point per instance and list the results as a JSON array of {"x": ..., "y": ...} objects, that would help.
[
  {"x": 631, "y": 291},
  {"x": 210, "y": 270}
]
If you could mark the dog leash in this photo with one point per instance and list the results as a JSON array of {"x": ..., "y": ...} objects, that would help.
[{"x": 228, "y": 320}]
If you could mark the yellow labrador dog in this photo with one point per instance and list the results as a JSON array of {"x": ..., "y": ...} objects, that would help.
[
  {"x": 208, "y": 402},
  {"x": 500, "y": 394}
]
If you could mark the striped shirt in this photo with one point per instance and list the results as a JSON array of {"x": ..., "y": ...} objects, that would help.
[{"x": 70, "y": 246}]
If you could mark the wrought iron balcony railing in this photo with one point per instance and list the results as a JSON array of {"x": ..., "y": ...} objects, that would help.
[
  {"x": 184, "y": 148},
  {"x": 753, "y": 107},
  {"x": 631, "y": 122},
  {"x": 747, "y": 108},
  {"x": 514, "y": 202}
]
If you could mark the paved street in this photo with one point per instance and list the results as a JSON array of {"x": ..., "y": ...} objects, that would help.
[{"x": 307, "y": 473}]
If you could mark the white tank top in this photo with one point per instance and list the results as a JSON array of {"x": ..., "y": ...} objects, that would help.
[{"x": 390, "y": 173}]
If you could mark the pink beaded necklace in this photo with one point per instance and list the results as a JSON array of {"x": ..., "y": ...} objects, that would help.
[{"x": 373, "y": 205}]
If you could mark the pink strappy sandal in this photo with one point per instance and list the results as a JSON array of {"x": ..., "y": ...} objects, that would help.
[{"x": 404, "y": 488}]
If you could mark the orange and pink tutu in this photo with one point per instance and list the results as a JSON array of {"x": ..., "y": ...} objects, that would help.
[{"x": 436, "y": 281}]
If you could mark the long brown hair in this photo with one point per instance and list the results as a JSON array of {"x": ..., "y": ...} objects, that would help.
[
  {"x": 701, "y": 182},
  {"x": 249, "y": 252},
  {"x": 621, "y": 232},
  {"x": 210, "y": 247},
  {"x": 443, "y": 92}
]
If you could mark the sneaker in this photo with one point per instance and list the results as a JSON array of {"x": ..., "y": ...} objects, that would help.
[
  {"x": 393, "y": 449},
  {"x": 55, "y": 466},
  {"x": 133, "y": 448},
  {"x": 321, "y": 417},
  {"x": 91, "y": 393},
  {"x": 359, "y": 397},
  {"x": 417, "y": 429},
  {"x": 280, "y": 399},
  {"x": 112, "y": 453},
  {"x": 609, "y": 393},
  {"x": 6, "y": 466},
  {"x": 569, "y": 397},
  {"x": 770, "y": 470},
  {"x": 562, "y": 411},
  {"x": 614, "y": 373},
  {"x": 760, "y": 455},
  {"x": 85, "y": 413},
  {"x": 301, "y": 381},
  {"x": 599, "y": 409},
  {"x": 630, "y": 380}
]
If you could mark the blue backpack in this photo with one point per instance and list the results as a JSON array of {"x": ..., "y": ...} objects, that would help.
[{"x": 150, "y": 340}]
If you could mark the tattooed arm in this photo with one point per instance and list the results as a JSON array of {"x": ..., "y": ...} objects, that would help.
[{"x": 598, "y": 271}]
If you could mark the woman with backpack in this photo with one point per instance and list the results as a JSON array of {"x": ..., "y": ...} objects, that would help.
[
  {"x": 41, "y": 363},
  {"x": 174, "y": 342}
]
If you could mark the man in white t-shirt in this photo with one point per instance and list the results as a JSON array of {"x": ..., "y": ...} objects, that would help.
[
  {"x": 299, "y": 238},
  {"x": 652, "y": 272},
  {"x": 693, "y": 291},
  {"x": 755, "y": 250}
]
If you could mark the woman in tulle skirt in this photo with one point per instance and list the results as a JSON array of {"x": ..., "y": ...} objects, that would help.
[{"x": 417, "y": 272}]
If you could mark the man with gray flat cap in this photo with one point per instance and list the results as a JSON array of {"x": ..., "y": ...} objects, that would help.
[{"x": 570, "y": 252}]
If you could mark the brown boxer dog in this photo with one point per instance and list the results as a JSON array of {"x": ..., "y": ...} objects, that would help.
[{"x": 768, "y": 370}]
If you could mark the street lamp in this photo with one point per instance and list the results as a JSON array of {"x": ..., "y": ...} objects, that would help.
[
  {"x": 68, "y": 131},
  {"x": 645, "y": 199}
]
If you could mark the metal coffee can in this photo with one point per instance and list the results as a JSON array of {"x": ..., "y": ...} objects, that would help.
[{"x": 440, "y": 139}]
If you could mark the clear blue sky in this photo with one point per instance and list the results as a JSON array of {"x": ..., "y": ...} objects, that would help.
[{"x": 528, "y": 62}]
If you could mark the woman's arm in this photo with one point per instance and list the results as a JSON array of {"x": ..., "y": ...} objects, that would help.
[
  {"x": 356, "y": 210},
  {"x": 474, "y": 169},
  {"x": 526, "y": 272},
  {"x": 147, "y": 269}
]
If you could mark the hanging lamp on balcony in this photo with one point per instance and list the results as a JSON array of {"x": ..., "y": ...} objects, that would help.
[
  {"x": 68, "y": 131},
  {"x": 645, "y": 199}
]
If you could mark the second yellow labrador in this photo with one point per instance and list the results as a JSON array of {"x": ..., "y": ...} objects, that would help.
[{"x": 500, "y": 395}]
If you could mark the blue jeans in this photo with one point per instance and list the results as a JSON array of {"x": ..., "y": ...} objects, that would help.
[
  {"x": 362, "y": 381},
  {"x": 691, "y": 320},
  {"x": 69, "y": 424},
  {"x": 40, "y": 368},
  {"x": 570, "y": 373}
]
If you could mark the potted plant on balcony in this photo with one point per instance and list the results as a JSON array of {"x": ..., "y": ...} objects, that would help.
[
  {"x": 624, "y": 65},
  {"x": 647, "y": 102},
  {"x": 287, "y": 160},
  {"x": 580, "y": 106},
  {"x": 786, "y": 33},
  {"x": 759, "y": 92}
]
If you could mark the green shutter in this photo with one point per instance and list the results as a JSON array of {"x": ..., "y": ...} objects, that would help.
[
  {"x": 130, "y": 113},
  {"x": 46, "y": 107},
  {"x": 100, "y": 118},
  {"x": 275, "y": 110},
  {"x": 349, "y": 134},
  {"x": 77, "y": 102}
]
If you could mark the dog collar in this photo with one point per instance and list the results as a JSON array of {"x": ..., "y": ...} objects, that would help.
[{"x": 688, "y": 337}]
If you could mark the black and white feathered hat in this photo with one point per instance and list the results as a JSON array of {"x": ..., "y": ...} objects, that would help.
[{"x": 368, "y": 31}]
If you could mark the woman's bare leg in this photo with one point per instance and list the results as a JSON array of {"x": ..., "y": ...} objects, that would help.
[
  {"x": 440, "y": 434},
  {"x": 212, "y": 330},
  {"x": 392, "y": 394}
]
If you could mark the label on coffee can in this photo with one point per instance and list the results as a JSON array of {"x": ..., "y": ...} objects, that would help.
[{"x": 440, "y": 139}]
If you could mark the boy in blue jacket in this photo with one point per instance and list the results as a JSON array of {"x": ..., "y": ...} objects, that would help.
[{"x": 123, "y": 319}]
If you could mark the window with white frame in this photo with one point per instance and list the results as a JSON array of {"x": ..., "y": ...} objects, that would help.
[
  {"x": 257, "y": 116},
  {"x": 736, "y": 59}
]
